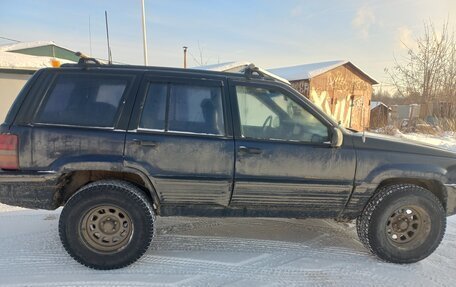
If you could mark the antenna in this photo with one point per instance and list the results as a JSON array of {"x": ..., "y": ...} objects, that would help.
[
  {"x": 107, "y": 37},
  {"x": 90, "y": 38},
  {"x": 185, "y": 56}
]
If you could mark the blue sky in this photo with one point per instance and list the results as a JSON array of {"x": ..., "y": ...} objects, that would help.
[{"x": 268, "y": 33}]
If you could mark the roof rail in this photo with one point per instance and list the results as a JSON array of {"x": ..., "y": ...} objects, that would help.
[
  {"x": 251, "y": 69},
  {"x": 84, "y": 59}
]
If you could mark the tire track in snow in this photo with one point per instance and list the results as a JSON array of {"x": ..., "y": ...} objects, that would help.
[{"x": 213, "y": 252}]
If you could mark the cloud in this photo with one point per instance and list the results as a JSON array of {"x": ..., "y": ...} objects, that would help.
[
  {"x": 296, "y": 11},
  {"x": 363, "y": 20},
  {"x": 405, "y": 38}
]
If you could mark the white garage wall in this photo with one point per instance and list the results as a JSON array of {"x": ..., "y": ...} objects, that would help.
[{"x": 10, "y": 86}]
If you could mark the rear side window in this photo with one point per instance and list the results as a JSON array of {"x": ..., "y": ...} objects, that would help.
[
  {"x": 83, "y": 100},
  {"x": 153, "y": 116},
  {"x": 196, "y": 109},
  {"x": 183, "y": 108}
]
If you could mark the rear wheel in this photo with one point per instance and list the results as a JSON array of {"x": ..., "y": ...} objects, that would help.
[
  {"x": 402, "y": 223},
  {"x": 107, "y": 225}
]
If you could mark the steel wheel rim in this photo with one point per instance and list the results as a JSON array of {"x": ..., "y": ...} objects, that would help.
[
  {"x": 106, "y": 228},
  {"x": 408, "y": 225}
]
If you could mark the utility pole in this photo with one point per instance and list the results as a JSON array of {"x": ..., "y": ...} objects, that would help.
[
  {"x": 185, "y": 56},
  {"x": 107, "y": 39},
  {"x": 144, "y": 32}
]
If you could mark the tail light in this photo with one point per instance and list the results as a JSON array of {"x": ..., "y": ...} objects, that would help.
[{"x": 9, "y": 156}]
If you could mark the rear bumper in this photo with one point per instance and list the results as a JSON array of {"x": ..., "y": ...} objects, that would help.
[
  {"x": 451, "y": 199},
  {"x": 37, "y": 190}
]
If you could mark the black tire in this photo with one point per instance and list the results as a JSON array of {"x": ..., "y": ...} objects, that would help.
[
  {"x": 115, "y": 205},
  {"x": 402, "y": 223}
]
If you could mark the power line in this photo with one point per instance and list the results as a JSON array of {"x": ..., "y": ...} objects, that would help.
[{"x": 9, "y": 39}]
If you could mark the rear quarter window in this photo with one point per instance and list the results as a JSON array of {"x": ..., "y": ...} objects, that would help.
[{"x": 83, "y": 100}]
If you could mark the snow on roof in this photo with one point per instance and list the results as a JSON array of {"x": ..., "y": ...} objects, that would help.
[
  {"x": 25, "y": 45},
  {"x": 238, "y": 67},
  {"x": 375, "y": 104},
  {"x": 307, "y": 71},
  {"x": 18, "y": 61},
  {"x": 225, "y": 67}
]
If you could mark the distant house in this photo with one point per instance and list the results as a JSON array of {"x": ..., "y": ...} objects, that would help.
[
  {"x": 19, "y": 61},
  {"x": 379, "y": 115},
  {"x": 339, "y": 88},
  {"x": 405, "y": 112}
]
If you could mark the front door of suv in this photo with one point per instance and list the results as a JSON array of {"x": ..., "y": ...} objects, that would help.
[
  {"x": 180, "y": 137},
  {"x": 284, "y": 160}
]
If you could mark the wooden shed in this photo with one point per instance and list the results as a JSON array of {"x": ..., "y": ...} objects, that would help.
[
  {"x": 379, "y": 115},
  {"x": 339, "y": 88}
]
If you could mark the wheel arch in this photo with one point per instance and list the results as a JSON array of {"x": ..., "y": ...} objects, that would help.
[
  {"x": 72, "y": 181},
  {"x": 364, "y": 192},
  {"x": 433, "y": 185}
]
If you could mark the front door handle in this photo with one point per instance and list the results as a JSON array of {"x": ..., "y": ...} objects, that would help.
[
  {"x": 249, "y": 150},
  {"x": 144, "y": 143}
]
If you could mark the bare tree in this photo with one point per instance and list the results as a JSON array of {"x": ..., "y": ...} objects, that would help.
[
  {"x": 429, "y": 71},
  {"x": 200, "y": 61}
]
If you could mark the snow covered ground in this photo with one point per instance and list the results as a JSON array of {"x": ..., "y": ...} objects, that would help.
[
  {"x": 213, "y": 252},
  {"x": 446, "y": 140}
]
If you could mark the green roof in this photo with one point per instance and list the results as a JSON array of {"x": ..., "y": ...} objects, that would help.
[{"x": 49, "y": 51}]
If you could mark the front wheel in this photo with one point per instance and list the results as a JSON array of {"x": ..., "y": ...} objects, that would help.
[
  {"x": 107, "y": 224},
  {"x": 402, "y": 223}
]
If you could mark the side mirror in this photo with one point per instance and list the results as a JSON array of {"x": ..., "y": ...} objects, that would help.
[{"x": 337, "y": 137}]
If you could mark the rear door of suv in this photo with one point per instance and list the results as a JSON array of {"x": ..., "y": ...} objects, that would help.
[{"x": 180, "y": 136}]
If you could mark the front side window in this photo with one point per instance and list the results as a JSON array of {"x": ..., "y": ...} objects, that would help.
[
  {"x": 270, "y": 114},
  {"x": 83, "y": 100}
]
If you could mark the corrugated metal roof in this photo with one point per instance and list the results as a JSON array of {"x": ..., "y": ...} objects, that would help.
[
  {"x": 25, "y": 45},
  {"x": 10, "y": 60}
]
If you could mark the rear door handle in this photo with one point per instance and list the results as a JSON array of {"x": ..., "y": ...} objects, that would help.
[
  {"x": 249, "y": 150},
  {"x": 144, "y": 143}
]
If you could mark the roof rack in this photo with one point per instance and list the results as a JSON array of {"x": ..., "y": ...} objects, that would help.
[
  {"x": 251, "y": 69},
  {"x": 84, "y": 59}
]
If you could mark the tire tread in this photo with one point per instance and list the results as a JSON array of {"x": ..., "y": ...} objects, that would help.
[
  {"x": 364, "y": 220},
  {"x": 131, "y": 191}
]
